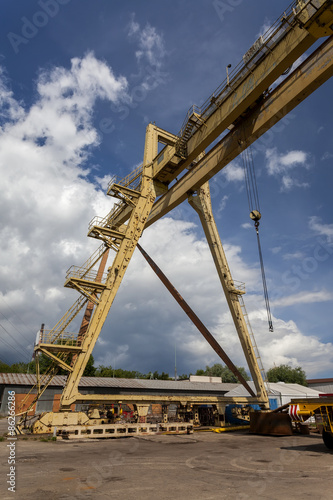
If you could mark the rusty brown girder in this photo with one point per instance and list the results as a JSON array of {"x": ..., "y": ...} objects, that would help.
[{"x": 196, "y": 321}]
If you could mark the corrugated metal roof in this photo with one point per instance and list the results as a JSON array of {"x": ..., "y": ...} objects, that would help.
[
  {"x": 184, "y": 385},
  {"x": 27, "y": 379},
  {"x": 110, "y": 382},
  {"x": 126, "y": 383},
  {"x": 292, "y": 390}
]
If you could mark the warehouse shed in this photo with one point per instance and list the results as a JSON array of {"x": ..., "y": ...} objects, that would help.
[
  {"x": 22, "y": 384},
  {"x": 323, "y": 385},
  {"x": 279, "y": 393}
]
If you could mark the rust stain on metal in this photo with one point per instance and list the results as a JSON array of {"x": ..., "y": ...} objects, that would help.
[{"x": 269, "y": 423}]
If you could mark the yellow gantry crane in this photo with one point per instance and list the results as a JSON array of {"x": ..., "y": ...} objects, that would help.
[{"x": 241, "y": 109}]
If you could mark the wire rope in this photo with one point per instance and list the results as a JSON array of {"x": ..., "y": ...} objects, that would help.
[{"x": 255, "y": 215}]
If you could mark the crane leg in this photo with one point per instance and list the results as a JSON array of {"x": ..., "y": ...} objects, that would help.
[{"x": 201, "y": 202}]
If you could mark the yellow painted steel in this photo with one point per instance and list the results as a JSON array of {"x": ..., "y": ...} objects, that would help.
[
  {"x": 295, "y": 32},
  {"x": 231, "y": 428},
  {"x": 115, "y": 275},
  {"x": 308, "y": 77},
  {"x": 322, "y": 410},
  {"x": 202, "y": 205},
  {"x": 308, "y": 407}
]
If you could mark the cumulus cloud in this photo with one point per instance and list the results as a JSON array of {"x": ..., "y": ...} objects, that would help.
[
  {"x": 187, "y": 262},
  {"x": 46, "y": 203},
  {"x": 280, "y": 165},
  {"x": 46, "y": 199},
  {"x": 151, "y": 47},
  {"x": 290, "y": 346},
  {"x": 233, "y": 172},
  {"x": 318, "y": 227},
  {"x": 304, "y": 298}
]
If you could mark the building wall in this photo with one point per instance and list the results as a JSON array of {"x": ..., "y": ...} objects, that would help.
[
  {"x": 20, "y": 394},
  {"x": 324, "y": 387},
  {"x": 45, "y": 403}
]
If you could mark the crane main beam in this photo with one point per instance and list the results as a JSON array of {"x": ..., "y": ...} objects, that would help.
[
  {"x": 310, "y": 75},
  {"x": 293, "y": 34}
]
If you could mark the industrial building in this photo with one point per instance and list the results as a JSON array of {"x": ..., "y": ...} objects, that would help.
[
  {"x": 22, "y": 383},
  {"x": 279, "y": 393},
  {"x": 321, "y": 384}
]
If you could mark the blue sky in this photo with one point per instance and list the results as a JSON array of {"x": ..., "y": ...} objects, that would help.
[{"x": 80, "y": 80}]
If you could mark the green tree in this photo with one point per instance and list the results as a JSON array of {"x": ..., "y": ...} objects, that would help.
[
  {"x": 4, "y": 368},
  {"x": 104, "y": 371},
  {"x": 287, "y": 374},
  {"x": 44, "y": 364},
  {"x": 21, "y": 367},
  {"x": 108, "y": 371},
  {"x": 218, "y": 370},
  {"x": 90, "y": 370}
]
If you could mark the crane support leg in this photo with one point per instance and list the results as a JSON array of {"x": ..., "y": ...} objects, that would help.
[
  {"x": 141, "y": 203},
  {"x": 202, "y": 205}
]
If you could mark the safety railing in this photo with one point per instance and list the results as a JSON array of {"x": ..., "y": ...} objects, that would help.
[
  {"x": 68, "y": 317},
  {"x": 105, "y": 221},
  {"x": 257, "y": 51},
  {"x": 64, "y": 338},
  {"x": 131, "y": 181},
  {"x": 94, "y": 258},
  {"x": 80, "y": 273}
]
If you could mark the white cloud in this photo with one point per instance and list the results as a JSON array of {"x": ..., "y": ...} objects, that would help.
[
  {"x": 303, "y": 298},
  {"x": 294, "y": 255},
  {"x": 324, "y": 229},
  {"x": 151, "y": 47},
  {"x": 223, "y": 203},
  {"x": 290, "y": 346},
  {"x": 264, "y": 28},
  {"x": 286, "y": 345},
  {"x": 233, "y": 172},
  {"x": 288, "y": 183},
  {"x": 46, "y": 199},
  {"x": 280, "y": 165},
  {"x": 46, "y": 203},
  {"x": 133, "y": 26}
]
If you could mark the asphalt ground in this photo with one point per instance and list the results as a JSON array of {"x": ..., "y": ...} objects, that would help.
[{"x": 203, "y": 465}]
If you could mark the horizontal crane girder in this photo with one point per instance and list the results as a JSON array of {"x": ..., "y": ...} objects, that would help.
[
  {"x": 286, "y": 44},
  {"x": 310, "y": 75}
]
